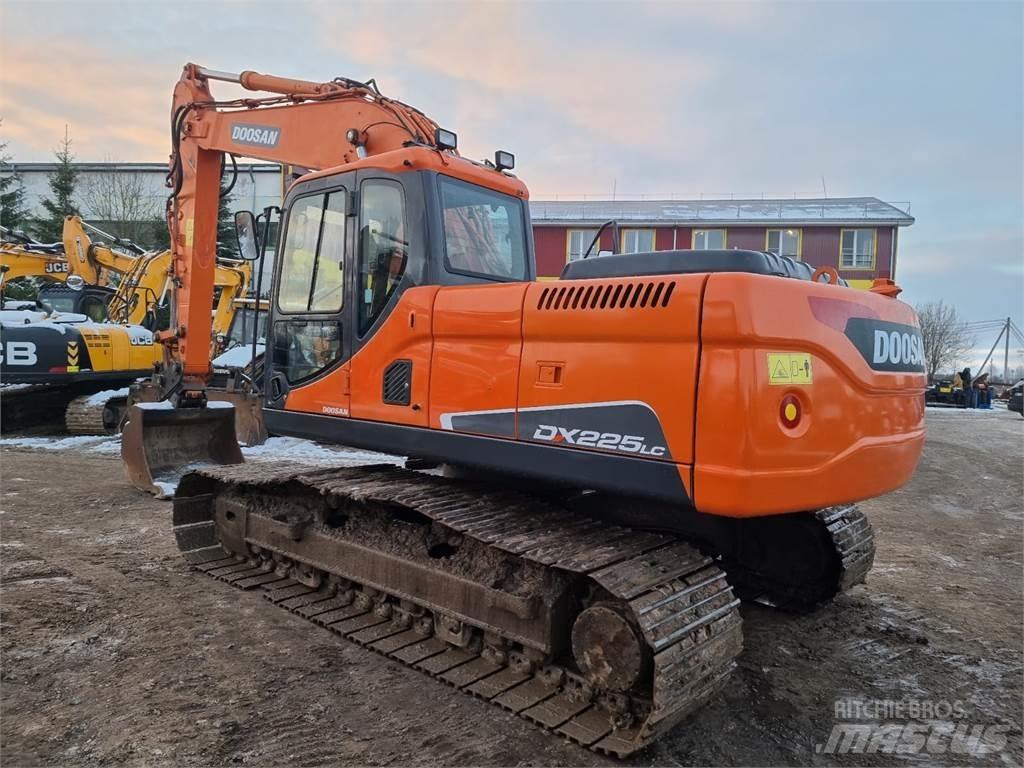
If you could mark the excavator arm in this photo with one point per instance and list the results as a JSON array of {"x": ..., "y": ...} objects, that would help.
[
  {"x": 22, "y": 261},
  {"x": 233, "y": 281},
  {"x": 301, "y": 123},
  {"x": 307, "y": 124}
]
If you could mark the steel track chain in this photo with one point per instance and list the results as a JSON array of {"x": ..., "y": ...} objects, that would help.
[{"x": 679, "y": 598}]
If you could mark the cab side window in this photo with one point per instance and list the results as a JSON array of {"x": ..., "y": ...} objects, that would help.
[
  {"x": 94, "y": 308},
  {"x": 383, "y": 247},
  {"x": 311, "y": 283},
  {"x": 312, "y": 264}
]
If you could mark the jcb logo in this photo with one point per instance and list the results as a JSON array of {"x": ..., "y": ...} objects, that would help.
[
  {"x": 18, "y": 353},
  {"x": 590, "y": 438},
  {"x": 57, "y": 268}
]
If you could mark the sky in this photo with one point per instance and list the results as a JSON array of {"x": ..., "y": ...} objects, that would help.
[{"x": 912, "y": 102}]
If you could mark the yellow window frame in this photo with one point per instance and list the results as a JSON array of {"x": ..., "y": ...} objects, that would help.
[
  {"x": 799, "y": 240},
  {"x": 874, "y": 249},
  {"x": 693, "y": 236},
  {"x": 623, "y": 233},
  {"x": 568, "y": 241}
]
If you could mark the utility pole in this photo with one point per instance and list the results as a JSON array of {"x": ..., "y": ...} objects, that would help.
[
  {"x": 1006, "y": 355},
  {"x": 1005, "y": 329}
]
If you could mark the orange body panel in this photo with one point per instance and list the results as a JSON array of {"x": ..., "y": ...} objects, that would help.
[
  {"x": 405, "y": 335},
  {"x": 610, "y": 354},
  {"x": 861, "y": 431},
  {"x": 477, "y": 348},
  {"x": 329, "y": 395},
  {"x": 697, "y": 362}
]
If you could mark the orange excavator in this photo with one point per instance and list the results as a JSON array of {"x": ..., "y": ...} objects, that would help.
[{"x": 625, "y": 452}]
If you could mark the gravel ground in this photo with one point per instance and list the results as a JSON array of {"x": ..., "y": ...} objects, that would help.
[{"x": 115, "y": 653}]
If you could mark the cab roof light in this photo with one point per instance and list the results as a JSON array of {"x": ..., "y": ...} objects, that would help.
[
  {"x": 504, "y": 161},
  {"x": 444, "y": 139}
]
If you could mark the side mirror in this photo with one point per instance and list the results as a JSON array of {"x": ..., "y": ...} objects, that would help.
[{"x": 245, "y": 234}]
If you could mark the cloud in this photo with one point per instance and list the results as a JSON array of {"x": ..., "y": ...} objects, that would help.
[
  {"x": 516, "y": 62},
  {"x": 87, "y": 90}
]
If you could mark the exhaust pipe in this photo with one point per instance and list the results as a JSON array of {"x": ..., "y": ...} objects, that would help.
[{"x": 160, "y": 443}]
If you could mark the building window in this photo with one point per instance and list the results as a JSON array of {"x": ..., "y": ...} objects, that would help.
[
  {"x": 784, "y": 242},
  {"x": 637, "y": 240},
  {"x": 857, "y": 249},
  {"x": 577, "y": 241},
  {"x": 708, "y": 239}
]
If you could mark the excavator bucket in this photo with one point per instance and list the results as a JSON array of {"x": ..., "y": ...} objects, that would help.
[
  {"x": 160, "y": 442},
  {"x": 249, "y": 426}
]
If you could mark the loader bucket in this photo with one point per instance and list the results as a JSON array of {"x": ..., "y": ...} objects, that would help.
[
  {"x": 249, "y": 426},
  {"x": 160, "y": 443}
]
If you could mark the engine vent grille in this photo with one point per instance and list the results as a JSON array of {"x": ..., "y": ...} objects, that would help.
[
  {"x": 398, "y": 383},
  {"x": 654, "y": 294}
]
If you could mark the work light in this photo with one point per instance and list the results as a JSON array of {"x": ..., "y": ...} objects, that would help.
[
  {"x": 504, "y": 161},
  {"x": 445, "y": 139}
]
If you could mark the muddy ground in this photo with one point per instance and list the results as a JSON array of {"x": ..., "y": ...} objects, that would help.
[{"x": 115, "y": 653}]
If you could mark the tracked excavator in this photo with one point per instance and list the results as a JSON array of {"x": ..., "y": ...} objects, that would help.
[
  {"x": 629, "y": 449},
  {"x": 75, "y": 361}
]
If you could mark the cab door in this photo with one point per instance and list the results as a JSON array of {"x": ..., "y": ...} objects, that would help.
[
  {"x": 310, "y": 339},
  {"x": 392, "y": 312}
]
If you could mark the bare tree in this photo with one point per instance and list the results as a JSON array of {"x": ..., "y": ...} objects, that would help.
[
  {"x": 123, "y": 203},
  {"x": 945, "y": 337}
]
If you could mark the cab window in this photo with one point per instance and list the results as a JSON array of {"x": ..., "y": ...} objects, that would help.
[
  {"x": 94, "y": 308},
  {"x": 312, "y": 263},
  {"x": 304, "y": 348},
  {"x": 483, "y": 231},
  {"x": 383, "y": 247}
]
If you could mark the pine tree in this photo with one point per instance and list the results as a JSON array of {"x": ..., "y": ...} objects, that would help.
[
  {"x": 13, "y": 214},
  {"x": 62, "y": 186}
]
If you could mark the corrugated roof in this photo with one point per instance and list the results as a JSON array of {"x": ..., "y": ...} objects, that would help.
[{"x": 721, "y": 212}]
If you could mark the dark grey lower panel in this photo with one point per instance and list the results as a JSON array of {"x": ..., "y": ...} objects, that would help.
[{"x": 575, "y": 467}]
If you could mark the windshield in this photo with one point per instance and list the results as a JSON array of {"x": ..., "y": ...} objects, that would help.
[
  {"x": 240, "y": 331},
  {"x": 483, "y": 231},
  {"x": 60, "y": 303}
]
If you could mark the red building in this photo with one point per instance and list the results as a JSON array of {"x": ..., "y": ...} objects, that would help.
[{"x": 858, "y": 235}]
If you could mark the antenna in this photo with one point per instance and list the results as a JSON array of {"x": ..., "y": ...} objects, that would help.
[{"x": 824, "y": 191}]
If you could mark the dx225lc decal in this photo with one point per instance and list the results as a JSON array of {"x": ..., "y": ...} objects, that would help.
[
  {"x": 624, "y": 426},
  {"x": 887, "y": 346}
]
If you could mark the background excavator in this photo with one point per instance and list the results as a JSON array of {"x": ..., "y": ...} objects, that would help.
[
  {"x": 626, "y": 450},
  {"x": 76, "y": 358}
]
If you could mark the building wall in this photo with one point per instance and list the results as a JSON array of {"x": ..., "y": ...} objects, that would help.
[
  {"x": 253, "y": 190},
  {"x": 820, "y": 247}
]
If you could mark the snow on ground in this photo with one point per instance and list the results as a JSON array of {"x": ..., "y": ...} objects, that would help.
[
  {"x": 102, "y": 444},
  {"x": 101, "y": 397},
  {"x": 274, "y": 451},
  {"x": 997, "y": 408},
  {"x": 306, "y": 451}
]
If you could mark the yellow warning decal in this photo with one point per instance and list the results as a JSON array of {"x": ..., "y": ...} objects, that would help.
[
  {"x": 72, "y": 357},
  {"x": 190, "y": 230},
  {"x": 789, "y": 368}
]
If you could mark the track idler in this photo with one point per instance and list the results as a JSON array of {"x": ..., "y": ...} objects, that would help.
[{"x": 160, "y": 442}]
